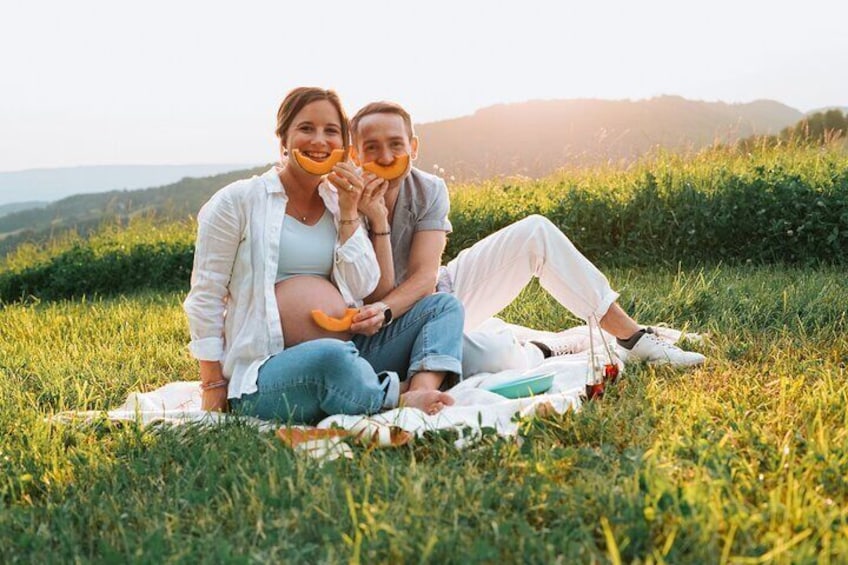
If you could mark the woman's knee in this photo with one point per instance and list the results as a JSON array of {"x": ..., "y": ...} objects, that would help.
[
  {"x": 325, "y": 355},
  {"x": 341, "y": 365}
]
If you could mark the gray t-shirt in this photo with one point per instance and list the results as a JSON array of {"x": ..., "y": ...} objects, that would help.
[{"x": 422, "y": 205}]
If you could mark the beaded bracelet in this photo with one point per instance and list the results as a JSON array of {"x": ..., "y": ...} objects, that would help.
[
  {"x": 376, "y": 233},
  {"x": 217, "y": 384}
]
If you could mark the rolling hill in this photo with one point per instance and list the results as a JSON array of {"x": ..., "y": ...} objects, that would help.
[
  {"x": 84, "y": 212},
  {"x": 536, "y": 138},
  {"x": 53, "y": 184},
  {"x": 13, "y": 207}
]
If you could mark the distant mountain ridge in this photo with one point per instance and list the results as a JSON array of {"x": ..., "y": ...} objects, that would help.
[
  {"x": 85, "y": 212},
  {"x": 536, "y": 138},
  {"x": 13, "y": 207},
  {"x": 54, "y": 184}
]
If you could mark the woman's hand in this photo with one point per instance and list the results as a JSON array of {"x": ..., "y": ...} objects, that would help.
[
  {"x": 369, "y": 320},
  {"x": 347, "y": 180},
  {"x": 214, "y": 399},
  {"x": 372, "y": 203}
]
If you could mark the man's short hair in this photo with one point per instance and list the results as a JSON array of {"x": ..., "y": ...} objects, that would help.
[{"x": 382, "y": 107}]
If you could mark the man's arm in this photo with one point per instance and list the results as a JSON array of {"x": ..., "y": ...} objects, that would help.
[
  {"x": 425, "y": 257},
  {"x": 382, "y": 243},
  {"x": 372, "y": 204}
]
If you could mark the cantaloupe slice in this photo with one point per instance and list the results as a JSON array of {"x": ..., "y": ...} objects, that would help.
[
  {"x": 389, "y": 172},
  {"x": 319, "y": 167},
  {"x": 371, "y": 434},
  {"x": 334, "y": 324}
]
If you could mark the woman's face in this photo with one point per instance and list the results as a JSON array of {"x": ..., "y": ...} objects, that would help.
[{"x": 315, "y": 131}]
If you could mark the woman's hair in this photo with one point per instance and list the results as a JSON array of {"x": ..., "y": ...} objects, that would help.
[
  {"x": 383, "y": 107},
  {"x": 298, "y": 98}
]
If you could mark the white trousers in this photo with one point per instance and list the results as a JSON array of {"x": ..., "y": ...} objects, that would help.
[{"x": 490, "y": 274}]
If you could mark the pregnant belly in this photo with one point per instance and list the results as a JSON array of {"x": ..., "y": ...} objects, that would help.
[{"x": 297, "y": 297}]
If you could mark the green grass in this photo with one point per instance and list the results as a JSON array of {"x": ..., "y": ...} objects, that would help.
[{"x": 744, "y": 460}]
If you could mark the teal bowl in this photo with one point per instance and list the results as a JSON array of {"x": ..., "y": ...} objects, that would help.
[{"x": 524, "y": 386}]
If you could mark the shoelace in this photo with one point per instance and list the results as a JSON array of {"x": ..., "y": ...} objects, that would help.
[
  {"x": 661, "y": 342},
  {"x": 560, "y": 348}
]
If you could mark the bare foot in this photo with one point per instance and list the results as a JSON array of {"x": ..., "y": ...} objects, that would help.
[{"x": 428, "y": 401}]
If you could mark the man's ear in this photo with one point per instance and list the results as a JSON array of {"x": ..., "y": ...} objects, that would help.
[
  {"x": 354, "y": 156},
  {"x": 413, "y": 154}
]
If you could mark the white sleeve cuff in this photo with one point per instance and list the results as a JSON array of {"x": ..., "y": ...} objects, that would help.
[
  {"x": 207, "y": 349},
  {"x": 355, "y": 246}
]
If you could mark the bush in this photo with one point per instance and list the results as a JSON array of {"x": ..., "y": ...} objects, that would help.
[
  {"x": 114, "y": 261},
  {"x": 783, "y": 204}
]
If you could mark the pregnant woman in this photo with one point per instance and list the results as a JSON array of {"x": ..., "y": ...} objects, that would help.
[{"x": 280, "y": 238}]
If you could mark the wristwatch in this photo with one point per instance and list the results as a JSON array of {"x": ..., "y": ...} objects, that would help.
[{"x": 387, "y": 316}]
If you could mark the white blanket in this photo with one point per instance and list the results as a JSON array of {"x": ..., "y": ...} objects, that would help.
[{"x": 475, "y": 407}]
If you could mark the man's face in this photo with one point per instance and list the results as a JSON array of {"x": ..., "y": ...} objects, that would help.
[{"x": 381, "y": 138}]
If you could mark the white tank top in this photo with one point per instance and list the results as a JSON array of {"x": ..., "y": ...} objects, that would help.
[{"x": 307, "y": 250}]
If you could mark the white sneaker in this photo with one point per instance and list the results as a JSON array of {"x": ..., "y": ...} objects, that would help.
[
  {"x": 656, "y": 351},
  {"x": 555, "y": 346}
]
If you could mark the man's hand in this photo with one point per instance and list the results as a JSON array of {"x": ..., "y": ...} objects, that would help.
[
  {"x": 372, "y": 203},
  {"x": 369, "y": 320}
]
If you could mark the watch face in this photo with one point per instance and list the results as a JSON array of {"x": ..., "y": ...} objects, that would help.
[{"x": 387, "y": 316}]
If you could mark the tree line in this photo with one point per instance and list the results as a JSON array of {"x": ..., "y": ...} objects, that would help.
[{"x": 817, "y": 128}]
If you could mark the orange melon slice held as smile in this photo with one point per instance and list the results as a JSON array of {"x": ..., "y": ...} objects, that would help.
[
  {"x": 319, "y": 167},
  {"x": 389, "y": 172},
  {"x": 334, "y": 324}
]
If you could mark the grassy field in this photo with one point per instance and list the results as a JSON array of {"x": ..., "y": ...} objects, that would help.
[{"x": 741, "y": 461}]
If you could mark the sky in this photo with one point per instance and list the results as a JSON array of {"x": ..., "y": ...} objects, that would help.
[{"x": 95, "y": 82}]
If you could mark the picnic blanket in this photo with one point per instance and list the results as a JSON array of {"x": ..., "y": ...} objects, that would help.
[{"x": 475, "y": 408}]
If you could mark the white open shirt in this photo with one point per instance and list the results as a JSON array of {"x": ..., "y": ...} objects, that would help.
[{"x": 231, "y": 307}]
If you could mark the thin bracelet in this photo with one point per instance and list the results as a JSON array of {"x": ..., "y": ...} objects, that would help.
[
  {"x": 217, "y": 384},
  {"x": 376, "y": 233},
  {"x": 343, "y": 221}
]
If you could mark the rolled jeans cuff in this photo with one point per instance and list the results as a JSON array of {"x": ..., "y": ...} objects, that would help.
[
  {"x": 437, "y": 363},
  {"x": 391, "y": 382}
]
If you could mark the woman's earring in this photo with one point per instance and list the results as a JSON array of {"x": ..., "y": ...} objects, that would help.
[{"x": 285, "y": 152}]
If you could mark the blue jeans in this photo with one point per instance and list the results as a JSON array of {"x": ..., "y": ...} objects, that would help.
[
  {"x": 305, "y": 383},
  {"x": 428, "y": 337}
]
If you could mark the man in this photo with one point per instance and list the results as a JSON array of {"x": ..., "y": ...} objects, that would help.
[{"x": 409, "y": 234}]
